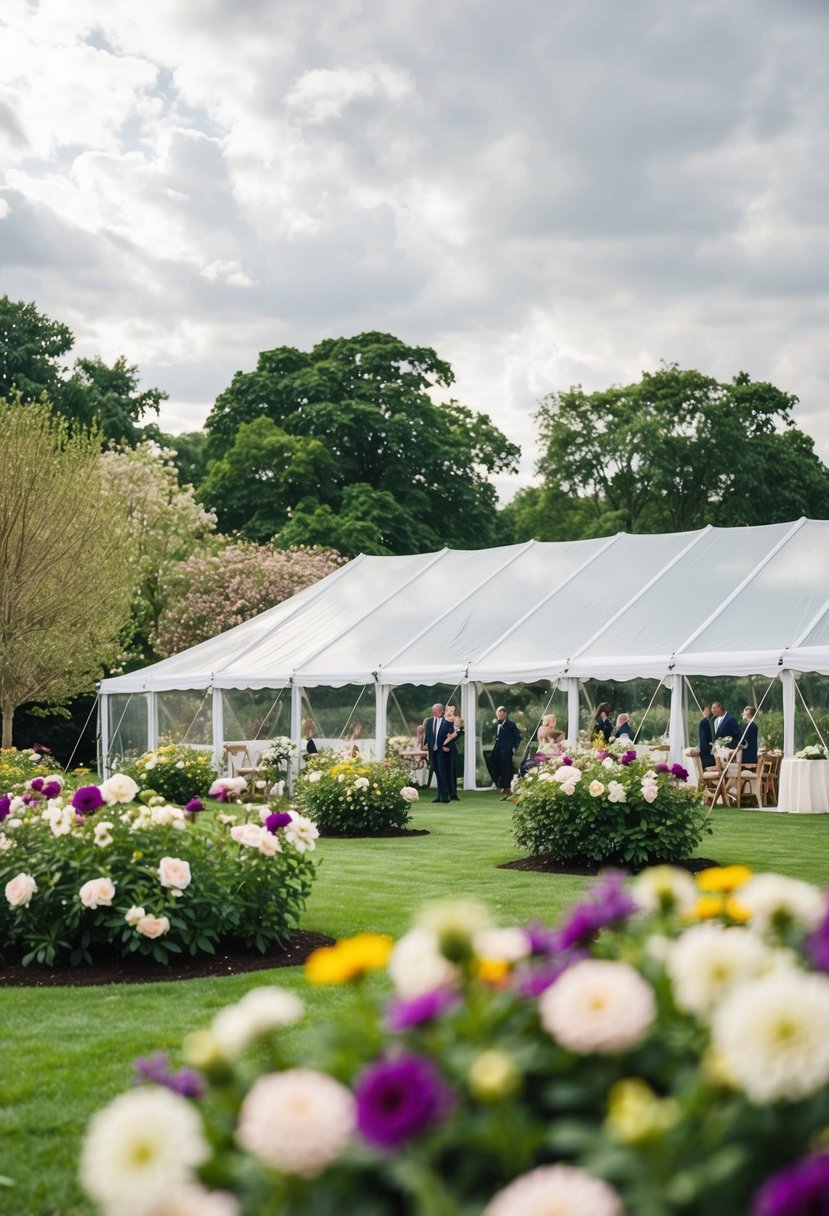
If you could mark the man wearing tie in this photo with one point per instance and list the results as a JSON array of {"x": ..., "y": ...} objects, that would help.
[
  {"x": 437, "y": 734},
  {"x": 726, "y": 726},
  {"x": 507, "y": 738}
]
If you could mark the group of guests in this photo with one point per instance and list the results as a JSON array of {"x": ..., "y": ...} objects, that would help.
[
  {"x": 717, "y": 725},
  {"x": 603, "y": 724},
  {"x": 439, "y": 736}
]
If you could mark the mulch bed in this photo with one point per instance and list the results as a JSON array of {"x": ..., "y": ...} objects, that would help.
[
  {"x": 544, "y": 863},
  {"x": 143, "y": 970}
]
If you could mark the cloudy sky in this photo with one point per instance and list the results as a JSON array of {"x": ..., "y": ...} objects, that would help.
[{"x": 548, "y": 192}]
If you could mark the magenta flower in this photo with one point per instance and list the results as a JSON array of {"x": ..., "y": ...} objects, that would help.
[
  {"x": 607, "y": 904},
  {"x": 662, "y": 768},
  {"x": 817, "y": 944},
  {"x": 397, "y": 1099},
  {"x": 566, "y": 760},
  {"x": 800, "y": 1190},
  {"x": 194, "y": 806},
  {"x": 36, "y": 783},
  {"x": 156, "y": 1069},
  {"x": 628, "y": 757},
  {"x": 5, "y": 803},
  {"x": 279, "y": 819},
  {"x": 680, "y": 773},
  {"x": 87, "y": 799},
  {"x": 404, "y": 1014},
  {"x": 51, "y": 789}
]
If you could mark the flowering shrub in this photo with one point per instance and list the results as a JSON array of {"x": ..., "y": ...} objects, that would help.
[
  {"x": 662, "y": 1050},
  {"x": 276, "y": 758},
  {"x": 594, "y": 807},
  {"x": 18, "y": 765},
  {"x": 94, "y": 872},
  {"x": 175, "y": 772},
  {"x": 355, "y": 797}
]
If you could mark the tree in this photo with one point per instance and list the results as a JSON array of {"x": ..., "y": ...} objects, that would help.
[
  {"x": 367, "y": 401},
  {"x": 164, "y": 521},
  {"x": 207, "y": 594},
  {"x": 67, "y": 573},
  {"x": 679, "y": 450},
  {"x": 32, "y": 350}
]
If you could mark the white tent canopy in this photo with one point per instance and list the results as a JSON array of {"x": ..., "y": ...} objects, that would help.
[{"x": 718, "y": 601}]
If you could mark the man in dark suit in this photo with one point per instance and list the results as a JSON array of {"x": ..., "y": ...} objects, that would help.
[
  {"x": 726, "y": 726},
  {"x": 706, "y": 738},
  {"x": 507, "y": 739},
  {"x": 749, "y": 735},
  {"x": 437, "y": 734}
]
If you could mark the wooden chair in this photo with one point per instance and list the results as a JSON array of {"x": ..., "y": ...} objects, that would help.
[
  {"x": 750, "y": 781},
  {"x": 771, "y": 777},
  {"x": 707, "y": 778}
]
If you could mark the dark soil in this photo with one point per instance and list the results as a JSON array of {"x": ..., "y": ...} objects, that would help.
[
  {"x": 139, "y": 969},
  {"x": 544, "y": 863}
]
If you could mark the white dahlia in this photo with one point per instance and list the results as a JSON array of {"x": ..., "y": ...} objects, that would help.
[
  {"x": 299, "y": 1121},
  {"x": 598, "y": 1006},
  {"x": 555, "y": 1190},
  {"x": 709, "y": 961}
]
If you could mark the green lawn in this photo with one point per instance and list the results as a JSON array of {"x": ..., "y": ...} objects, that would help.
[{"x": 66, "y": 1051}]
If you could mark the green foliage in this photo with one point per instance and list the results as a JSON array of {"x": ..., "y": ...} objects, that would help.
[
  {"x": 226, "y": 890},
  {"x": 21, "y": 764},
  {"x": 346, "y": 441},
  {"x": 604, "y": 815},
  {"x": 354, "y": 797},
  {"x": 174, "y": 771},
  {"x": 676, "y": 451}
]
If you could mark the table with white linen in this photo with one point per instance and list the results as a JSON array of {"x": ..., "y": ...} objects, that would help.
[{"x": 804, "y": 786}]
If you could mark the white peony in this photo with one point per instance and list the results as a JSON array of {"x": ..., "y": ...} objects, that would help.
[
  {"x": 166, "y": 816},
  {"x": 259, "y": 1012},
  {"x": 60, "y": 818},
  {"x": 567, "y": 773},
  {"x": 5, "y": 843},
  {"x": 268, "y": 843},
  {"x": 97, "y": 893},
  {"x": 774, "y": 899},
  {"x": 409, "y": 794},
  {"x": 595, "y": 789},
  {"x": 709, "y": 960},
  {"x": 298, "y": 1121},
  {"x": 616, "y": 792},
  {"x": 118, "y": 788},
  {"x": 138, "y": 1149},
  {"x": 770, "y": 1036},
  {"x": 102, "y": 836},
  {"x": 134, "y": 915},
  {"x": 19, "y": 890},
  {"x": 556, "y": 1190},
  {"x": 248, "y": 835},
  {"x": 416, "y": 964},
  {"x": 598, "y": 1006},
  {"x": 665, "y": 888},
  {"x": 302, "y": 833},
  {"x": 314, "y": 776},
  {"x": 152, "y": 926},
  {"x": 361, "y": 783},
  {"x": 174, "y": 873}
]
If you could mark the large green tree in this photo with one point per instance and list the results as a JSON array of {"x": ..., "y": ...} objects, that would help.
[
  {"x": 66, "y": 561},
  {"x": 354, "y": 413},
  {"x": 33, "y": 354},
  {"x": 678, "y": 450}
]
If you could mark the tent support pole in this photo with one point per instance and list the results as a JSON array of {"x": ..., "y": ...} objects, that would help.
[
  {"x": 296, "y": 733},
  {"x": 103, "y": 735},
  {"x": 571, "y": 685},
  {"x": 787, "y": 680},
  {"x": 152, "y": 721},
  {"x": 676, "y": 727},
  {"x": 218, "y": 710},
  {"x": 469, "y": 714},
  {"x": 381, "y": 705}
]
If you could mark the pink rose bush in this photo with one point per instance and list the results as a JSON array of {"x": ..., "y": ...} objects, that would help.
[
  {"x": 86, "y": 870},
  {"x": 661, "y": 1049},
  {"x": 602, "y": 806}
]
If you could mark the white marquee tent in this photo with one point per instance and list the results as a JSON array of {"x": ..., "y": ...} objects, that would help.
[{"x": 717, "y": 602}]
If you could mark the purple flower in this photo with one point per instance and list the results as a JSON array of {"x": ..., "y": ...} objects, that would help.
[
  {"x": 662, "y": 768},
  {"x": 5, "y": 803},
  {"x": 532, "y": 981},
  {"x": 606, "y": 904},
  {"x": 680, "y": 773},
  {"x": 566, "y": 760},
  {"x": 817, "y": 944},
  {"x": 28, "y": 799},
  {"x": 628, "y": 757},
  {"x": 194, "y": 806},
  {"x": 541, "y": 938},
  {"x": 36, "y": 783},
  {"x": 42, "y": 748},
  {"x": 403, "y": 1015},
  {"x": 602, "y": 756},
  {"x": 397, "y": 1099},
  {"x": 51, "y": 789},
  {"x": 156, "y": 1069},
  {"x": 800, "y": 1190},
  {"x": 279, "y": 819},
  {"x": 87, "y": 799}
]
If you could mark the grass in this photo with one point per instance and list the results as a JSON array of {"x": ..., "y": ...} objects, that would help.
[{"x": 67, "y": 1051}]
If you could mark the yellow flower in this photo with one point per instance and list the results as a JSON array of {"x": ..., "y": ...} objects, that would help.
[
  {"x": 636, "y": 1114},
  {"x": 493, "y": 1075},
  {"x": 723, "y": 878},
  {"x": 493, "y": 971},
  {"x": 708, "y": 906},
  {"x": 349, "y": 960}
]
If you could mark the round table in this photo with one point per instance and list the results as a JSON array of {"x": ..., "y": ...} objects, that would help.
[{"x": 804, "y": 786}]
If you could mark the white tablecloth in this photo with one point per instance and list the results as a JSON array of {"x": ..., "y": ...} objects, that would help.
[{"x": 804, "y": 786}]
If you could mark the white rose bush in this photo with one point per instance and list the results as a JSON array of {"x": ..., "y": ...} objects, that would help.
[
  {"x": 607, "y": 807},
  {"x": 174, "y": 771},
  {"x": 353, "y": 796},
  {"x": 88, "y": 874},
  {"x": 660, "y": 1052}
]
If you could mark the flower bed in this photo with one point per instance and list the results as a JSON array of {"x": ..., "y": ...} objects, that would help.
[
  {"x": 589, "y": 807},
  {"x": 174, "y": 772},
  {"x": 91, "y": 873},
  {"x": 662, "y": 1050},
  {"x": 355, "y": 797},
  {"x": 18, "y": 765}
]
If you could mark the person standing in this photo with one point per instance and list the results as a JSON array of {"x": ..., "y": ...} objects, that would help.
[
  {"x": 623, "y": 730},
  {"x": 603, "y": 724},
  {"x": 507, "y": 738},
  {"x": 436, "y": 737},
  {"x": 726, "y": 726},
  {"x": 706, "y": 738},
  {"x": 457, "y": 726},
  {"x": 749, "y": 736}
]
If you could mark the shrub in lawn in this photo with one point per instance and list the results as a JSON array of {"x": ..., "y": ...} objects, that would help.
[
  {"x": 94, "y": 875},
  {"x": 590, "y": 807},
  {"x": 176, "y": 772},
  {"x": 354, "y": 796},
  {"x": 21, "y": 764}
]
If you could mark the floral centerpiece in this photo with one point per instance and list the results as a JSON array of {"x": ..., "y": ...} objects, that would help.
[
  {"x": 175, "y": 771},
  {"x": 815, "y": 751},
  {"x": 598, "y": 806},
  {"x": 401, "y": 743},
  {"x": 276, "y": 759},
  {"x": 353, "y": 796},
  {"x": 663, "y": 1050},
  {"x": 95, "y": 872}
]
